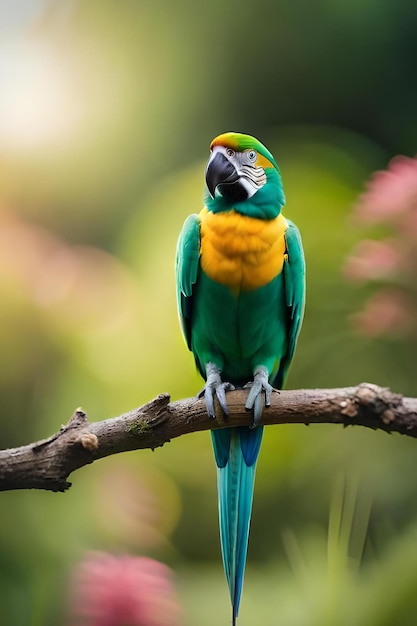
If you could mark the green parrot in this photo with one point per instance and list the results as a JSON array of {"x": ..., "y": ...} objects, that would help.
[{"x": 241, "y": 290}]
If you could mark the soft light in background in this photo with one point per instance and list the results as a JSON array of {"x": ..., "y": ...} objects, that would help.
[{"x": 106, "y": 113}]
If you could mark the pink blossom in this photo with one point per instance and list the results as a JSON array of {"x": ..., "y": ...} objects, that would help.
[
  {"x": 375, "y": 260},
  {"x": 391, "y": 199},
  {"x": 123, "y": 591},
  {"x": 391, "y": 193},
  {"x": 407, "y": 226},
  {"x": 387, "y": 312}
]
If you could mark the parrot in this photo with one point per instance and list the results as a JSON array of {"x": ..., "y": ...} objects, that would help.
[{"x": 240, "y": 278}]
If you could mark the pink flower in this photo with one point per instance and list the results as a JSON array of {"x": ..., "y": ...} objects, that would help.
[
  {"x": 387, "y": 312},
  {"x": 123, "y": 591},
  {"x": 391, "y": 200},
  {"x": 391, "y": 193},
  {"x": 375, "y": 260}
]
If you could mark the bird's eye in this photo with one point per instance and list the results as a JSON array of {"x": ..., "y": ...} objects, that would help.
[
  {"x": 230, "y": 152},
  {"x": 252, "y": 155}
]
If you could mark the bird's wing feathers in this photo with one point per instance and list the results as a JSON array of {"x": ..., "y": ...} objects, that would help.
[
  {"x": 236, "y": 450},
  {"x": 187, "y": 264},
  {"x": 294, "y": 279}
]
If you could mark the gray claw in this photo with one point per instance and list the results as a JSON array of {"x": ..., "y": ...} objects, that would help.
[
  {"x": 255, "y": 400},
  {"x": 215, "y": 386}
]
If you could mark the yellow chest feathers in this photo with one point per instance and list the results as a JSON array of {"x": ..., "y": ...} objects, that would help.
[{"x": 241, "y": 252}]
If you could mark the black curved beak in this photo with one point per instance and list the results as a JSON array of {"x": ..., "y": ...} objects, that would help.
[{"x": 220, "y": 172}]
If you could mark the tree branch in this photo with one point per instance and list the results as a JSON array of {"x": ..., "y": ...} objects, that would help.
[{"x": 47, "y": 464}]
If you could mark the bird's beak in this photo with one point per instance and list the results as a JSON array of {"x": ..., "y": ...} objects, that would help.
[{"x": 220, "y": 172}]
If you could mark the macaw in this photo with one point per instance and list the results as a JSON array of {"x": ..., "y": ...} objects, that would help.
[{"x": 240, "y": 290}]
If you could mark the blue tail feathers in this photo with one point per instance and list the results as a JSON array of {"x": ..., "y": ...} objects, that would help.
[{"x": 236, "y": 451}]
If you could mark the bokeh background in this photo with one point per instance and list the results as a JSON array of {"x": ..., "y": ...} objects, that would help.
[{"x": 107, "y": 110}]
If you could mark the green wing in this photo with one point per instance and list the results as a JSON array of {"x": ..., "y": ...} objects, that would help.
[
  {"x": 187, "y": 264},
  {"x": 187, "y": 267},
  {"x": 295, "y": 287}
]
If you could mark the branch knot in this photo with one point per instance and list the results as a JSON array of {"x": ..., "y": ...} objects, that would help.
[{"x": 47, "y": 464}]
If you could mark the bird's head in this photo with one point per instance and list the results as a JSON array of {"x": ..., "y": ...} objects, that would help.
[{"x": 243, "y": 175}]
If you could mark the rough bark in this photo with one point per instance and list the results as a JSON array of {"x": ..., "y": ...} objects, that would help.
[{"x": 47, "y": 464}]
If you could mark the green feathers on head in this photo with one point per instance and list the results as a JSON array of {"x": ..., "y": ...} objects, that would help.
[
  {"x": 241, "y": 142},
  {"x": 268, "y": 200}
]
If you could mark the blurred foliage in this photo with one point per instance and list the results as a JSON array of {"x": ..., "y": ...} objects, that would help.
[{"x": 106, "y": 113}]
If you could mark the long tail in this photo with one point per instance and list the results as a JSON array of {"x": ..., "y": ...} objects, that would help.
[{"x": 236, "y": 451}]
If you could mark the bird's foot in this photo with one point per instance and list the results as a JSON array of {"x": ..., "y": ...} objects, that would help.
[
  {"x": 255, "y": 399},
  {"x": 215, "y": 387}
]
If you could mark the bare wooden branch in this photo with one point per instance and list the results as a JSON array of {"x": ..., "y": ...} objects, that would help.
[{"x": 47, "y": 464}]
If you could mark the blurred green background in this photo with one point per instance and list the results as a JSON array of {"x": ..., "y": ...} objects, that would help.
[{"x": 107, "y": 110}]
